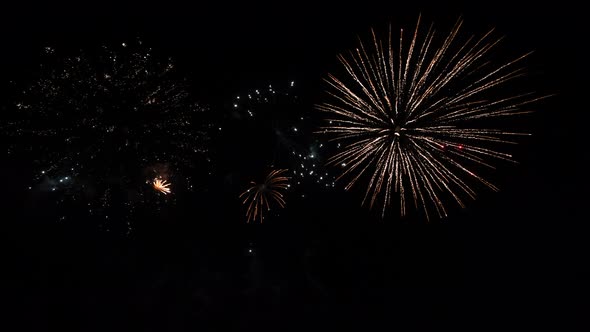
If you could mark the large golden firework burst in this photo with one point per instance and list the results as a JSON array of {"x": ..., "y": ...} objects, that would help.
[{"x": 412, "y": 116}]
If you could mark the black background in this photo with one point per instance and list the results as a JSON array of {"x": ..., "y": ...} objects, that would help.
[{"x": 513, "y": 260}]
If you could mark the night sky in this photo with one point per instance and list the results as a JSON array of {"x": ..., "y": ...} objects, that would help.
[{"x": 511, "y": 260}]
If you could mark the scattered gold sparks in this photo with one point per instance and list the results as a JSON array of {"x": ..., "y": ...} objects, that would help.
[
  {"x": 412, "y": 116},
  {"x": 259, "y": 197},
  {"x": 162, "y": 186}
]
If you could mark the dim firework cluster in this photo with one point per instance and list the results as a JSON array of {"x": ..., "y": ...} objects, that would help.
[{"x": 107, "y": 129}]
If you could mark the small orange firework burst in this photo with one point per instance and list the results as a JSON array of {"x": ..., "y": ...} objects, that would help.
[
  {"x": 162, "y": 186},
  {"x": 259, "y": 196}
]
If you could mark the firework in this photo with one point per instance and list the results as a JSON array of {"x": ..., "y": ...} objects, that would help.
[
  {"x": 264, "y": 101},
  {"x": 162, "y": 186},
  {"x": 284, "y": 130},
  {"x": 412, "y": 117},
  {"x": 99, "y": 119},
  {"x": 260, "y": 196}
]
